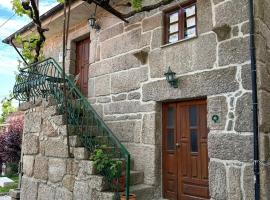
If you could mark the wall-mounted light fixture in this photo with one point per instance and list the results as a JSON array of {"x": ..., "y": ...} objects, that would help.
[
  {"x": 170, "y": 76},
  {"x": 93, "y": 21}
]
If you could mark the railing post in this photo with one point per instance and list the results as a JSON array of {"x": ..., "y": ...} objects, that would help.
[{"x": 127, "y": 176}]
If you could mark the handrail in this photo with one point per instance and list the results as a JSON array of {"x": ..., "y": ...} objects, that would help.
[{"x": 37, "y": 80}]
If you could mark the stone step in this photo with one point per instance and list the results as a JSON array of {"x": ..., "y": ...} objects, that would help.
[
  {"x": 58, "y": 120},
  {"x": 80, "y": 153},
  {"x": 75, "y": 141},
  {"x": 142, "y": 191},
  {"x": 98, "y": 183},
  {"x": 136, "y": 177}
]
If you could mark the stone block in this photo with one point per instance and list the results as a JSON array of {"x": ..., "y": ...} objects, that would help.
[
  {"x": 217, "y": 106},
  {"x": 28, "y": 165},
  {"x": 126, "y": 131},
  {"x": 128, "y": 107},
  {"x": 46, "y": 192},
  {"x": 152, "y": 22},
  {"x": 81, "y": 153},
  {"x": 32, "y": 122},
  {"x": 111, "y": 32},
  {"x": 41, "y": 168},
  {"x": 68, "y": 182},
  {"x": 236, "y": 8},
  {"x": 14, "y": 194},
  {"x": 196, "y": 54},
  {"x": 63, "y": 194},
  {"x": 263, "y": 77},
  {"x": 30, "y": 144},
  {"x": 190, "y": 86},
  {"x": 86, "y": 168},
  {"x": 57, "y": 170},
  {"x": 204, "y": 16},
  {"x": 248, "y": 182},
  {"x": 245, "y": 28},
  {"x": 121, "y": 44},
  {"x": 157, "y": 39},
  {"x": 230, "y": 146},
  {"x": 29, "y": 190},
  {"x": 235, "y": 51},
  {"x": 128, "y": 80},
  {"x": 134, "y": 96},
  {"x": 115, "y": 64},
  {"x": 72, "y": 167},
  {"x": 234, "y": 185},
  {"x": 56, "y": 148},
  {"x": 102, "y": 85},
  {"x": 98, "y": 183},
  {"x": 119, "y": 97},
  {"x": 48, "y": 129},
  {"x": 104, "y": 100},
  {"x": 81, "y": 191},
  {"x": 246, "y": 77},
  {"x": 264, "y": 110},
  {"x": 151, "y": 129},
  {"x": 217, "y": 180},
  {"x": 243, "y": 113}
]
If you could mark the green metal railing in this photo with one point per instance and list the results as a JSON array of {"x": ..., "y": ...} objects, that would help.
[{"x": 44, "y": 79}]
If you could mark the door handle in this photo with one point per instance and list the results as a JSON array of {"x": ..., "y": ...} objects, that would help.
[{"x": 177, "y": 145}]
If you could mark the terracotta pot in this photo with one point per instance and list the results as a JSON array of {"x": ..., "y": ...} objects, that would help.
[{"x": 131, "y": 197}]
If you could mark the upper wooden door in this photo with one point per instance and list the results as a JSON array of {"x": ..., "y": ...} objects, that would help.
[
  {"x": 82, "y": 64},
  {"x": 185, "y": 157}
]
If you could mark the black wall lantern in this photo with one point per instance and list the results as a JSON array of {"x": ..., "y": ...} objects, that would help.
[
  {"x": 93, "y": 21},
  {"x": 170, "y": 76}
]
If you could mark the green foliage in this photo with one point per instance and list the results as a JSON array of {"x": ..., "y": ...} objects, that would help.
[
  {"x": 7, "y": 108},
  {"x": 136, "y": 4},
  {"x": 105, "y": 165},
  {"x": 28, "y": 47},
  {"x": 60, "y": 1},
  {"x": 18, "y": 8}
]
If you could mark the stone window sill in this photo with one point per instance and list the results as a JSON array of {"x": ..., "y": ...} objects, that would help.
[{"x": 177, "y": 42}]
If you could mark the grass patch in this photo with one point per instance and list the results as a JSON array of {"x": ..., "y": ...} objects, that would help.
[{"x": 14, "y": 185}]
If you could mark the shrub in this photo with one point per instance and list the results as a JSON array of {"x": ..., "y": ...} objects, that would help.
[{"x": 10, "y": 142}]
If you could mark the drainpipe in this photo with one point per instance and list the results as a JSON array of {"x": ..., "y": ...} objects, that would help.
[{"x": 254, "y": 100}]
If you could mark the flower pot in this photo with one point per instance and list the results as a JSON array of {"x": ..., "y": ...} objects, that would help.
[
  {"x": 121, "y": 182},
  {"x": 131, "y": 197}
]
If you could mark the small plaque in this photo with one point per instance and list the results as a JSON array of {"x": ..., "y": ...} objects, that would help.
[{"x": 215, "y": 118}]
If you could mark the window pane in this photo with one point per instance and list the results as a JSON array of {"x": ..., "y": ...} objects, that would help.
[
  {"x": 193, "y": 116},
  {"x": 174, "y": 17},
  {"x": 174, "y": 28},
  {"x": 190, "y": 11},
  {"x": 173, "y": 38},
  {"x": 194, "y": 141},
  {"x": 191, "y": 32},
  {"x": 170, "y": 140},
  {"x": 191, "y": 22},
  {"x": 170, "y": 118}
]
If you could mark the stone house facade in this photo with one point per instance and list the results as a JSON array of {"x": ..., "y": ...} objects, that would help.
[{"x": 127, "y": 87}]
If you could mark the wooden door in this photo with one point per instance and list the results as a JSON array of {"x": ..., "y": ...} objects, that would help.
[
  {"x": 185, "y": 157},
  {"x": 82, "y": 64}
]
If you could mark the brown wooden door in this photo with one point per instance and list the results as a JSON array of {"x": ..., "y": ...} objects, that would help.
[
  {"x": 185, "y": 157},
  {"x": 82, "y": 64}
]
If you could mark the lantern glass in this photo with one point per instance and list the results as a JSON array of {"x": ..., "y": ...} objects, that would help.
[{"x": 92, "y": 22}]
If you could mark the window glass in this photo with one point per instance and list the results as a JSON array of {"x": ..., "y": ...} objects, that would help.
[
  {"x": 191, "y": 22},
  {"x": 194, "y": 141},
  {"x": 191, "y": 32},
  {"x": 174, "y": 28},
  {"x": 174, "y": 17},
  {"x": 170, "y": 118},
  {"x": 190, "y": 11},
  {"x": 170, "y": 140},
  {"x": 193, "y": 116},
  {"x": 173, "y": 38}
]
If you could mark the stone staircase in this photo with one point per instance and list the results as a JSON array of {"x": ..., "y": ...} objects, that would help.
[{"x": 97, "y": 182}]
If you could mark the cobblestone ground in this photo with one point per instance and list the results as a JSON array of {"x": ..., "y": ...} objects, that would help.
[{"x": 5, "y": 198}]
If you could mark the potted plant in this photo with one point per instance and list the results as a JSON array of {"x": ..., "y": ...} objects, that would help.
[{"x": 110, "y": 168}]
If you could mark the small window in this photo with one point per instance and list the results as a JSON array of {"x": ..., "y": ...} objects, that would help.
[{"x": 180, "y": 23}]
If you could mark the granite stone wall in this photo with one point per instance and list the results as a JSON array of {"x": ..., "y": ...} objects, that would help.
[{"x": 127, "y": 87}]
